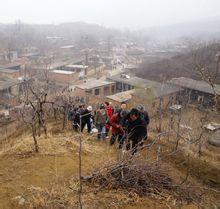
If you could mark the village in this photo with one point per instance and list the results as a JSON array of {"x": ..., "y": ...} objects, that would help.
[
  {"x": 41, "y": 84},
  {"x": 93, "y": 76}
]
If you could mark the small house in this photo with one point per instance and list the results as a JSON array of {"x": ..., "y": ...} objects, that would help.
[
  {"x": 93, "y": 89},
  {"x": 198, "y": 92}
]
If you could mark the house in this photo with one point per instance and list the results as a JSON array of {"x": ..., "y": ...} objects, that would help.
[
  {"x": 59, "y": 64},
  {"x": 10, "y": 90},
  {"x": 125, "y": 82},
  {"x": 9, "y": 56},
  {"x": 118, "y": 98},
  {"x": 30, "y": 52},
  {"x": 10, "y": 73},
  {"x": 68, "y": 47},
  {"x": 62, "y": 76},
  {"x": 160, "y": 96},
  {"x": 12, "y": 65},
  {"x": 199, "y": 92},
  {"x": 150, "y": 93},
  {"x": 12, "y": 69},
  {"x": 81, "y": 69},
  {"x": 76, "y": 68},
  {"x": 93, "y": 89}
]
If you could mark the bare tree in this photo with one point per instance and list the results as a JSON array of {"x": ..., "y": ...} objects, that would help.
[
  {"x": 35, "y": 96},
  {"x": 30, "y": 119},
  {"x": 205, "y": 60}
]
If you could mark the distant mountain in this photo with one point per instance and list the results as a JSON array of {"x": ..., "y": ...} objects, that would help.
[
  {"x": 66, "y": 30},
  {"x": 205, "y": 29},
  {"x": 82, "y": 35}
]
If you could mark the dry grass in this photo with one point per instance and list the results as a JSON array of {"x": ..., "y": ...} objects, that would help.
[{"x": 49, "y": 179}]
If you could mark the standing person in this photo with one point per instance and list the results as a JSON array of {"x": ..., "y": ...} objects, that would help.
[
  {"x": 76, "y": 117},
  {"x": 144, "y": 113},
  {"x": 117, "y": 129},
  {"x": 86, "y": 116},
  {"x": 100, "y": 122},
  {"x": 70, "y": 113},
  {"x": 124, "y": 106},
  {"x": 110, "y": 111},
  {"x": 126, "y": 115},
  {"x": 136, "y": 130}
]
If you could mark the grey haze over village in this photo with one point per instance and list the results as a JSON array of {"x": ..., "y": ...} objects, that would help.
[
  {"x": 115, "y": 13},
  {"x": 158, "y": 19},
  {"x": 109, "y": 104}
]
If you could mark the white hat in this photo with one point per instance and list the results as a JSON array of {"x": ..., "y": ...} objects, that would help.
[{"x": 89, "y": 108}]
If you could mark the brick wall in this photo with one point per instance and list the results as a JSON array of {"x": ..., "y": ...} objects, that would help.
[{"x": 62, "y": 78}]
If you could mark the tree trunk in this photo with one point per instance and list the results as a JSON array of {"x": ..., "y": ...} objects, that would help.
[
  {"x": 64, "y": 118},
  {"x": 35, "y": 139}
]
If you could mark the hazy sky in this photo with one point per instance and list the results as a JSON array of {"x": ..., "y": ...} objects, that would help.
[{"x": 116, "y": 13}]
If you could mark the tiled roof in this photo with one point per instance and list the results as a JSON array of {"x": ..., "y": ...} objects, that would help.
[
  {"x": 158, "y": 89},
  {"x": 94, "y": 83},
  {"x": 6, "y": 82},
  {"x": 4, "y": 70},
  {"x": 133, "y": 81},
  {"x": 194, "y": 84},
  {"x": 122, "y": 96}
]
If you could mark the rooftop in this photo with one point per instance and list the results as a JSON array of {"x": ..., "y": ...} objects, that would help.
[
  {"x": 11, "y": 65},
  {"x": 156, "y": 92},
  {"x": 4, "y": 70},
  {"x": 63, "y": 72},
  {"x": 94, "y": 83},
  {"x": 6, "y": 82},
  {"x": 166, "y": 89},
  {"x": 133, "y": 81},
  {"x": 77, "y": 66},
  {"x": 31, "y": 54},
  {"x": 122, "y": 96},
  {"x": 67, "y": 47},
  {"x": 131, "y": 66},
  {"x": 194, "y": 84},
  {"x": 58, "y": 64}
]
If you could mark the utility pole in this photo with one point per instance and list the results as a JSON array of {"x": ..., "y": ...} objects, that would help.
[
  {"x": 86, "y": 62},
  {"x": 109, "y": 46}
]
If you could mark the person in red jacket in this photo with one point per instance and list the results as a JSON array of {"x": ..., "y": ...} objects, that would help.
[
  {"x": 117, "y": 129},
  {"x": 110, "y": 111}
]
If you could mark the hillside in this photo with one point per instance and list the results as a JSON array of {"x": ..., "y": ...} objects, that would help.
[
  {"x": 49, "y": 179},
  {"x": 16, "y": 36},
  {"x": 205, "y": 29},
  {"x": 71, "y": 30},
  {"x": 182, "y": 65}
]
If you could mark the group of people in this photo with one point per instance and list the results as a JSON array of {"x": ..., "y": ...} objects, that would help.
[{"x": 126, "y": 126}]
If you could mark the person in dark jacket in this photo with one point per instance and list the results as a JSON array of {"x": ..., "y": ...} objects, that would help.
[
  {"x": 144, "y": 114},
  {"x": 136, "y": 130},
  {"x": 86, "y": 116},
  {"x": 76, "y": 117}
]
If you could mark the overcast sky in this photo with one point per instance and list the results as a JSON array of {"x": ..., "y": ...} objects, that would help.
[{"x": 113, "y": 13}]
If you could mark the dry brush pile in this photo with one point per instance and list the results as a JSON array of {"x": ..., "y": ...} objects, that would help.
[{"x": 134, "y": 177}]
